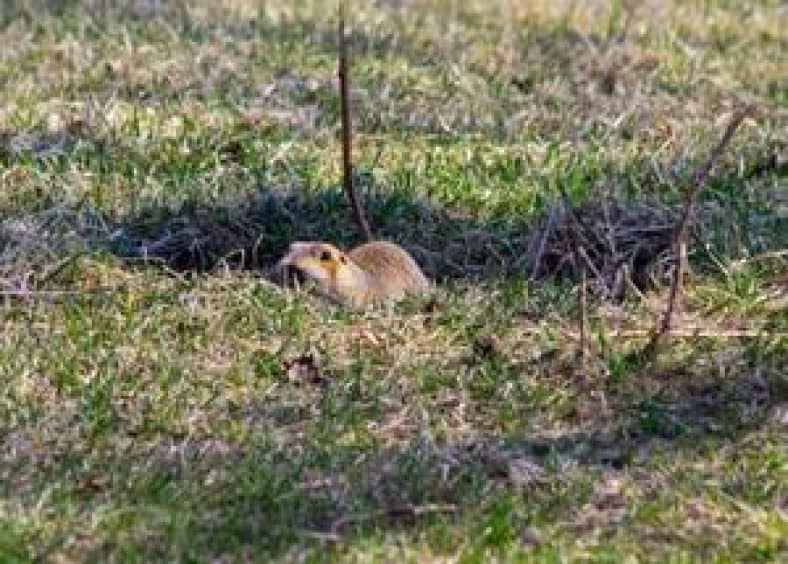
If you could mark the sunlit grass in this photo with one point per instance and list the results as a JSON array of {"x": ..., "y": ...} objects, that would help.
[{"x": 155, "y": 413}]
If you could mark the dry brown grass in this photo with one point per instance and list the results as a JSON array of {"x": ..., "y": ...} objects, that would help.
[{"x": 160, "y": 399}]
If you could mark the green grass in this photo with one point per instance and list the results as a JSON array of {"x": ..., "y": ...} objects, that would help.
[{"x": 179, "y": 413}]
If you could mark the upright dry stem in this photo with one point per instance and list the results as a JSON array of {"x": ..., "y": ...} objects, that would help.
[
  {"x": 678, "y": 237},
  {"x": 347, "y": 132},
  {"x": 583, "y": 316}
]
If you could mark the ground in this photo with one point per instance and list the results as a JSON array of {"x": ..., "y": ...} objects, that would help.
[{"x": 162, "y": 398}]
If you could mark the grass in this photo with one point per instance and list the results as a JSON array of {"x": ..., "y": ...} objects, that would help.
[{"x": 182, "y": 410}]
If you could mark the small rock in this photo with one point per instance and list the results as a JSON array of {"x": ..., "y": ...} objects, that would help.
[
  {"x": 486, "y": 346},
  {"x": 303, "y": 369},
  {"x": 780, "y": 415},
  {"x": 524, "y": 472},
  {"x": 531, "y": 536}
]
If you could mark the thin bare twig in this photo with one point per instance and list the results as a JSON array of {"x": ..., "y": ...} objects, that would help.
[
  {"x": 347, "y": 132},
  {"x": 59, "y": 267},
  {"x": 317, "y": 535},
  {"x": 769, "y": 255},
  {"x": 583, "y": 315},
  {"x": 579, "y": 227},
  {"x": 51, "y": 295},
  {"x": 399, "y": 511},
  {"x": 537, "y": 263},
  {"x": 678, "y": 237},
  {"x": 590, "y": 264},
  {"x": 699, "y": 332}
]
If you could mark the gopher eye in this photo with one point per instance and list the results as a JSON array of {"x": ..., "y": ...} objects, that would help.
[
  {"x": 343, "y": 259},
  {"x": 325, "y": 256}
]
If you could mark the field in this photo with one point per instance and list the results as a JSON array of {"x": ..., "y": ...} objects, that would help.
[{"x": 163, "y": 398}]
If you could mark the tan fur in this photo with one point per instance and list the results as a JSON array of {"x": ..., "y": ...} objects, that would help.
[{"x": 371, "y": 273}]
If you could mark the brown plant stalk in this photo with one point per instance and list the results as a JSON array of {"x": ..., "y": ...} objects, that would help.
[
  {"x": 678, "y": 236},
  {"x": 347, "y": 132}
]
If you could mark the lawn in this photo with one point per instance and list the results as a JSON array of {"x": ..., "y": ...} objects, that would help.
[{"x": 163, "y": 398}]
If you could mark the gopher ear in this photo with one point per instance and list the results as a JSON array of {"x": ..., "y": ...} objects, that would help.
[{"x": 296, "y": 249}]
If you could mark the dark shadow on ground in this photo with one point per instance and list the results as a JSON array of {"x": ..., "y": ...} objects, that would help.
[
  {"x": 622, "y": 239},
  {"x": 263, "y": 494},
  {"x": 266, "y": 498},
  {"x": 257, "y": 232}
]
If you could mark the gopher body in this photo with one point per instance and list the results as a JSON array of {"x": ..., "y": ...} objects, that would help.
[{"x": 370, "y": 274}]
